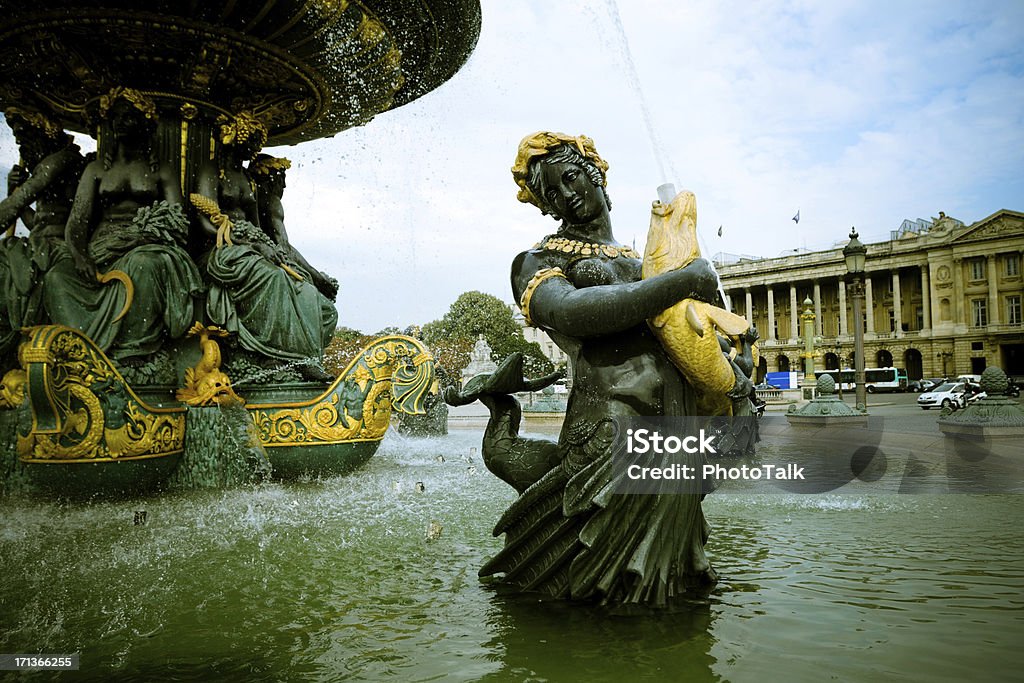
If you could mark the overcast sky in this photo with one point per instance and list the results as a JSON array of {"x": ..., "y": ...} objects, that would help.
[{"x": 854, "y": 113}]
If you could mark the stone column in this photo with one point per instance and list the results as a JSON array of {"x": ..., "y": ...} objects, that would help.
[
  {"x": 818, "y": 327},
  {"x": 897, "y": 305},
  {"x": 771, "y": 313},
  {"x": 844, "y": 325},
  {"x": 926, "y": 299},
  {"x": 958, "y": 293},
  {"x": 750, "y": 306},
  {"x": 869, "y": 306},
  {"x": 794, "y": 315},
  {"x": 728, "y": 302},
  {"x": 993, "y": 292}
]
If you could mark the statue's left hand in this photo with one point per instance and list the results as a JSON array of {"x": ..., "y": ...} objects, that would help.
[
  {"x": 328, "y": 286},
  {"x": 16, "y": 177},
  {"x": 85, "y": 266}
]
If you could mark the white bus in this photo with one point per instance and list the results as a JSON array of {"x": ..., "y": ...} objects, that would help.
[{"x": 876, "y": 379}]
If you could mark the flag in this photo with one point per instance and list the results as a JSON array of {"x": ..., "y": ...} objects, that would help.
[
  {"x": 796, "y": 218},
  {"x": 719, "y": 230}
]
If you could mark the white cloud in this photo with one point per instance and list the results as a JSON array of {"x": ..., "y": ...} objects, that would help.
[{"x": 857, "y": 113}]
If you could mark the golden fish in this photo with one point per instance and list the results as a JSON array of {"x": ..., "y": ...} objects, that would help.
[{"x": 689, "y": 330}]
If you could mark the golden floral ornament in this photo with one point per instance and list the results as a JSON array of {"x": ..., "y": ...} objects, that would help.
[
  {"x": 134, "y": 97},
  {"x": 39, "y": 121},
  {"x": 265, "y": 165},
  {"x": 541, "y": 144},
  {"x": 241, "y": 128},
  {"x": 189, "y": 111}
]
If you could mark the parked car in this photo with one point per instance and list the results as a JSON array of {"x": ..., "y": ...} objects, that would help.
[
  {"x": 929, "y": 383},
  {"x": 950, "y": 395}
]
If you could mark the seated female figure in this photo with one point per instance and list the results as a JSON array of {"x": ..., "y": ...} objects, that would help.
[
  {"x": 129, "y": 284},
  {"x": 256, "y": 289}
]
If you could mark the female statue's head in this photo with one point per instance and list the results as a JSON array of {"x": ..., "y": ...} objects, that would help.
[
  {"x": 36, "y": 134},
  {"x": 544, "y": 155},
  {"x": 129, "y": 118},
  {"x": 268, "y": 172},
  {"x": 243, "y": 132}
]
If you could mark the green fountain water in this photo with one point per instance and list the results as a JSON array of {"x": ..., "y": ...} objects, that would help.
[{"x": 336, "y": 579}]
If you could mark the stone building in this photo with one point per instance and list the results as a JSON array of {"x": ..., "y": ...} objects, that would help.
[
  {"x": 942, "y": 299},
  {"x": 535, "y": 334}
]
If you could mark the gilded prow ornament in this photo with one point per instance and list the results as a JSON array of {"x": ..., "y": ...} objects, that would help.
[
  {"x": 395, "y": 372},
  {"x": 689, "y": 330},
  {"x": 83, "y": 410}
]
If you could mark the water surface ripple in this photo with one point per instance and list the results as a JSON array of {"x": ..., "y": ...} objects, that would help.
[{"x": 337, "y": 580}]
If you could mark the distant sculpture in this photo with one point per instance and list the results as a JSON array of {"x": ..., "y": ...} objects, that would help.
[
  {"x": 480, "y": 361},
  {"x": 129, "y": 284},
  {"x": 257, "y": 290},
  {"x": 567, "y": 535},
  {"x": 46, "y": 176}
]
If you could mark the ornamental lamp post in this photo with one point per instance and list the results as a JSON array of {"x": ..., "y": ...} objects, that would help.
[
  {"x": 808, "y": 354},
  {"x": 855, "y": 255}
]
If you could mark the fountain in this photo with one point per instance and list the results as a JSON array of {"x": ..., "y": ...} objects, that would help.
[{"x": 157, "y": 281}]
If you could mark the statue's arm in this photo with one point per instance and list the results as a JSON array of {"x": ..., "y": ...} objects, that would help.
[
  {"x": 19, "y": 201},
  {"x": 170, "y": 186},
  {"x": 556, "y": 304},
  {"x": 76, "y": 232}
]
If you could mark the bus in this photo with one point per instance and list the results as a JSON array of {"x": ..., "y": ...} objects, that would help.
[{"x": 876, "y": 379}]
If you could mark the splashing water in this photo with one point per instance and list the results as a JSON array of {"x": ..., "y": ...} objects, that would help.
[
  {"x": 664, "y": 164},
  {"x": 665, "y": 167}
]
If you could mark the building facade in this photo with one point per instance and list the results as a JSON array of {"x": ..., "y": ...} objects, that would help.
[
  {"x": 534, "y": 334},
  {"x": 941, "y": 299}
]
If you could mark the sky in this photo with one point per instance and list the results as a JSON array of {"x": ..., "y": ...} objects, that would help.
[{"x": 854, "y": 113}]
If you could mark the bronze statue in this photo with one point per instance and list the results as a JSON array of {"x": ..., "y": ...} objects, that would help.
[
  {"x": 46, "y": 177},
  {"x": 129, "y": 284},
  {"x": 268, "y": 173},
  {"x": 568, "y": 535},
  {"x": 257, "y": 289}
]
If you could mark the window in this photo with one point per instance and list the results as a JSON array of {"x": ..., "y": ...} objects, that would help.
[
  {"x": 892, "y": 320},
  {"x": 979, "y": 308},
  {"x": 977, "y": 346},
  {"x": 977, "y": 269},
  {"x": 1013, "y": 309},
  {"x": 919, "y": 316},
  {"x": 1012, "y": 262}
]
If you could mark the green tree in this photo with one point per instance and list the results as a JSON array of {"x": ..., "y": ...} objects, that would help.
[{"x": 473, "y": 314}]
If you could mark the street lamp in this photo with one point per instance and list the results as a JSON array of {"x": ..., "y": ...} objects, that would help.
[
  {"x": 808, "y": 354},
  {"x": 855, "y": 255}
]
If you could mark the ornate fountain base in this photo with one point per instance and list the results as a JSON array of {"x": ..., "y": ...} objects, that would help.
[{"x": 78, "y": 428}]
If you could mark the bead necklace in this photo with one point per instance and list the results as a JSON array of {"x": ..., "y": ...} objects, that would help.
[{"x": 569, "y": 246}]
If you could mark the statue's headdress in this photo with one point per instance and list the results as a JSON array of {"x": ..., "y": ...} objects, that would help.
[
  {"x": 142, "y": 103},
  {"x": 39, "y": 121},
  {"x": 542, "y": 143},
  {"x": 266, "y": 165}
]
